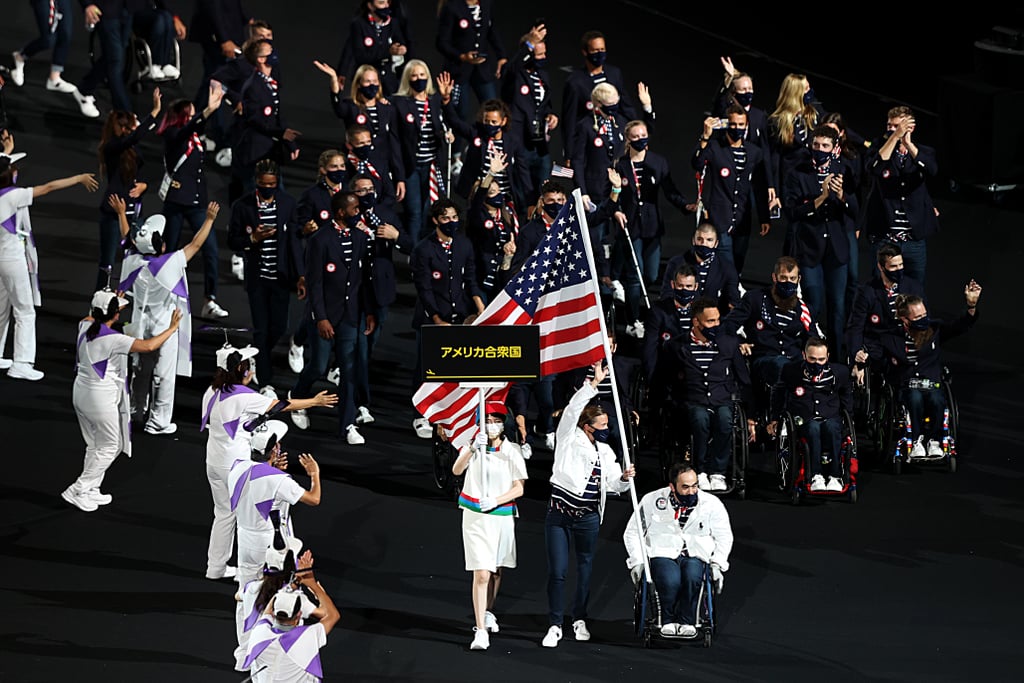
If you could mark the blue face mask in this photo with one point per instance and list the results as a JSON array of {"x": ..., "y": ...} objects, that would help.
[
  {"x": 639, "y": 144},
  {"x": 448, "y": 229},
  {"x": 785, "y": 289},
  {"x": 597, "y": 58},
  {"x": 736, "y": 133},
  {"x": 369, "y": 91},
  {"x": 362, "y": 152},
  {"x": 497, "y": 200},
  {"x": 921, "y": 324},
  {"x": 273, "y": 59},
  {"x": 809, "y": 96},
  {"x": 703, "y": 251},
  {"x": 418, "y": 84},
  {"x": 814, "y": 369},
  {"x": 601, "y": 435},
  {"x": 610, "y": 109},
  {"x": 336, "y": 177},
  {"x": 367, "y": 201},
  {"x": 744, "y": 98},
  {"x": 552, "y": 209},
  {"x": 684, "y": 296},
  {"x": 540, "y": 62},
  {"x": 820, "y": 157},
  {"x": 490, "y": 130},
  {"x": 352, "y": 221},
  {"x": 687, "y": 501},
  {"x": 894, "y": 276},
  {"x": 709, "y": 332}
]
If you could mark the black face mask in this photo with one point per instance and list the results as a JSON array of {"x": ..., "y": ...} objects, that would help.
[
  {"x": 687, "y": 501},
  {"x": 815, "y": 369},
  {"x": 895, "y": 276},
  {"x": 639, "y": 144},
  {"x": 736, "y": 133},
  {"x": 369, "y": 91},
  {"x": 601, "y": 435},
  {"x": 497, "y": 200},
  {"x": 540, "y": 62},
  {"x": 362, "y": 152},
  {"x": 490, "y": 130},
  {"x": 449, "y": 228},
  {"x": 703, "y": 251},
  {"x": 820, "y": 157},
  {"x": 744, "y": 99},
  {"x": 266, "y": 192},
  {"x": 336, "y": 177},
  {"x": 418, "y": 84},
  {"x": 382, "y": 12},
  {"x": 352, "y": 221},
  {"x": 273, "y": 59},
  {"x": 684, "y": 296},
  {"x": 809, "y": 96},
  {"x": 552, "y": 209},
  {"x": 367, "y": 201},
  {"x": 610, "y": 109},
  {"x": 597, "y": 58},
  {"x": 710, "y": 333},
  {"x": 921, "y": 324},
  {"x": 785, "y": 289}
]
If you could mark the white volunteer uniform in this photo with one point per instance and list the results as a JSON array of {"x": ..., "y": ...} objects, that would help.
[
  {"x": 289, "y": 656},
  {"x": 19, "y": 274},
  {"x": 489, "y": 538},
  {"x": 250, "y": 615},
  {"x": 158, "y": 286},
  {"x": 224, "y": 413},
  {"x": 707, "y": 533},
  {"x": 100, "y": 397}
]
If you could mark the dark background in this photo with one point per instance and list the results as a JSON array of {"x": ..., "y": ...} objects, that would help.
[{"x": 917, "y": 581}]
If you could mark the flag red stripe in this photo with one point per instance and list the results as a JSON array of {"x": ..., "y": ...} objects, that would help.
[
  {"x": 549, "y": 313},
  {"x": 566, "y": 335}
]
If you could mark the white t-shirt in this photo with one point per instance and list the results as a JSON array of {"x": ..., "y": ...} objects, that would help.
[
  {"x": 228, "y": 440},
  {"x": 288, "y": 493},
  {"x": 104, "y": 359},
  {"x": 282, "y": 669},
  {"x": 14, "y": 203},
  {"x": 493, "y": 473}
]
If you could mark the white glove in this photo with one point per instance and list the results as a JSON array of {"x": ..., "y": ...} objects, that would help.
[
  {"x": 480, "y": 442},
  {"x": 717, "y": 578},
  {"x": 635, "y": 573},
  {"x": 527, "y": 451},
  {"x": 488, "y": 503}
]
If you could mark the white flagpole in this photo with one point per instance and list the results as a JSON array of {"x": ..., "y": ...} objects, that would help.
[{"x": 577, "y": 198}]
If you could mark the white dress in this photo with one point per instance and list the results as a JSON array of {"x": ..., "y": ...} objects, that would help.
[{"x": 489, "y": 538}]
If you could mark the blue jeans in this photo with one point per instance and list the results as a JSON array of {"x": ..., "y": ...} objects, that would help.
[
  {"x": 176, "y": 214},
  {"x": 58, "y": 40},
  {"x": 712, "y": 425},
  {"x": 417, "y": 198},
  {"x": 822, "y": 435},
  {"x": 733, "y": 248},
  {"x": 648, "y": 258},
  {"x": 113, "y": 33},
  {"x": 268, "y": 304},
  {"x": 824, "y": 287},
  {"x": 318, "y": 354},
  {"x": 156, "y": 27},
  {"x": 110, "y": 242},
  {"x": 915, "y": 259},
  {"x": 921, "y": 403},
  {"x": 767, "y": 369},
  {"x": 364, "y": 352},
  {"x": 560, "y": 531},
  {"x": 539, "y": 166},
  {"x": 484, "y": 91},
  {"x": 678, "y": 583}
]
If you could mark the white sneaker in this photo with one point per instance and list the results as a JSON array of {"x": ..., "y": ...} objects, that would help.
[
  {"x": 579, "y": 627},
  {"x": 635, "y": 330},
  {"x": 353, "y": 436},
  {"x": 6, "y": 363},
  {"x": 423, "y": 428},
  {"x": 552, "y": 637},
  {"x": 156, "y": 72},
  {"x": 834, "y": 484},
  {"x": 269, "y": 391},
  {"x": 670, "y": 630},
  {"x": 208, "y": 144},
  {"x": 618, "y": 291},
  {"x": 299, "y": 417},
  {"x": 228, "y": 573},
  {"x": 549, "y": 441},
  {"x": 686, "y": 631},
  {"x": 334, "y": 376},
  {"x": 702, "y": 482},
  {"x": 527, "y": 451},
  {"x": 481, "y": 639},
  {"x": 490, "y": 622},
  {"x": 83, "y": 503},
  {"x": 24, "y": 371},
  {"x": 717, "y": 483},
  {"x": 87, "y": 104},
  {"x": 363, "y": 417},
  {"x": 456, "y": 169},
  {"x": 99, "y": 497},
  {"x": 171, "y": 71},
  {"x": 935, "y": 449},
  {"x": 18, "y": 70},
  {"x": 917, "y": 451},
  {"x": 213, "y": 310},
  {"x": 60, "y": 85},
  {"x": 818, "y": 483},
  {"x": 169, "y": 429},
  {"x": 223, "y": 158},
  {"x": 295, "y": 360},
  {"x": 238, "y": 266}
]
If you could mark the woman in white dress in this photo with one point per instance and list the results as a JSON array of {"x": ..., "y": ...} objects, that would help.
[
  {"x": 495, "y": 471},
  {"x": 100, "y": 394}
]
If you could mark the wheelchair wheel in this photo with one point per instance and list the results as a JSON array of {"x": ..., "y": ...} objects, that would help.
[
  {"x": 740, "y": 450},
  {"x": 674, "y": 442},
  {"x": 640, "y": 393},
  {"x": 954, "y": 410},
  {"x": 443, "y": 458},
  {"x": 882, "y": 421},
  {"x": 787, "y": 460},
  {"x": 707, "y": 638}
]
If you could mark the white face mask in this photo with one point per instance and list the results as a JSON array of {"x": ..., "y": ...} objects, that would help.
[{"x": 494, "y": 429}]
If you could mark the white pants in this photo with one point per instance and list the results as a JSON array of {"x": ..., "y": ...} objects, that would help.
[
  {"x": 222, "y": 533},
  {"x": 100, "y": 422},
  {"x": 16, "y": 293},
  {"x": 155, "y": 376},
  {"x": 252, "y": 553}
]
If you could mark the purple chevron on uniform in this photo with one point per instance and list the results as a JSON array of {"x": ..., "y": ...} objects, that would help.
[
  {"x": 232, "y": 427},
  {"x": 100, "y": 368}
]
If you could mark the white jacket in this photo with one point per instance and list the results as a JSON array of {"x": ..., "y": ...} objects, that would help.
[
  {"x": 575, "y": 455},
  {"x": 707, "y": 534}
]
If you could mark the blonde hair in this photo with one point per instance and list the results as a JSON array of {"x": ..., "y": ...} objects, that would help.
[
  {"x": 604, "y": 93},
  {"x": 404, "y": 89},
  {"x": 790, "y": 105},
  {"x": 354, "y": 93}
]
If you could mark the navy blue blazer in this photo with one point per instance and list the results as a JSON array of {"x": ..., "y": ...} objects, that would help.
[
  {"x": 339, "y": 292},
  {"x": 929, "y": 357},
  {"x": 577, "y": 104},
  {"x": 662, "y": 324},
  {"x": 188, "y": 186},
  {"x": 727, "y": 375},
  {"x": 217, "y": 21},
  {"x": 518, "y": 93},
  {"x": 870, "y": 317},
  {"x": 797, "y": 394},
  {"x": 591, "y": 157},
  {"x": 444, "y": 287},
  {"x": 729, "y": 196},
  {"x": 767, "y": 336},
  {"x": 519, "y": 173},
  {"x": 385, "y": 279},
  {"x": 385, "y": 136},
  {"x": 245, "y": 218},
  {"x": 721, "y": 282},
  {"x": 817, "y": 229},
  {"x": 262, "y": 125},
  {"x": 643, "y": 215},
  {"x": 457, "y": 35},
  {"x": 365, "y": 45},
  {"x": 901, "y": 185},
  {"x": 408, "y": 124}
]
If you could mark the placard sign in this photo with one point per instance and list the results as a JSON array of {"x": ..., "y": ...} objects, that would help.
[{"x": 480, "y": 353}]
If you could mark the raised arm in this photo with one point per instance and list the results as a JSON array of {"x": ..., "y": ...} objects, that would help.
[
  {"x": 86, "y": 180},
  {"x": 193, "y": 247}
]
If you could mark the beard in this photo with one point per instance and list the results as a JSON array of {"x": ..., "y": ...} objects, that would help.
[
  {"x": 922, "y": 337},
  {"x": 785, "y": 305}
]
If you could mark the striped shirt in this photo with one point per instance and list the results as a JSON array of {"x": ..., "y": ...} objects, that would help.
[
  {"x": 268, "y": 247},
  {"x": 373, "y": 120},
  {"x": 899, "y": 231},
  {"x": 426, "y": 144},
  {"x": 604, "y": 389},
  {"x": 570, "y": 504},
  {"x": 704, "y": 353}
]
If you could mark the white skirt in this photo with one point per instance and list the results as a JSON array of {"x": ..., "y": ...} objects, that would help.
[{"x": 489, "y": 541}]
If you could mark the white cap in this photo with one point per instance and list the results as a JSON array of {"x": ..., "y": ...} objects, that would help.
[
  {"x": 101, "y": 299},
  {"x": 143, "y": 235},
  {"x": 275, "y": 558},
  {"x": 286, "y": 603},
  {"x": 223, "y": 353},
  {"x": 13, "y": 158},
  {"x": 271, "y": 430}
]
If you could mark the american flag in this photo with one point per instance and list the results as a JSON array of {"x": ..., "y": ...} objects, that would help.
[
  {"x": 562, "y": 172},
  {"x": 556, "y": 290}
]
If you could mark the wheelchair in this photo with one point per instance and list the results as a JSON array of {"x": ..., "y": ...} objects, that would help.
[
  {"x": 897, "y": 431},
  {"x": 792, "y": 468},
  {"x": 675, "y": 444},
  {"x": 647, "y": 612},
  {"x": 138, "y": 60},
  {"x": 443, "y": 456}
]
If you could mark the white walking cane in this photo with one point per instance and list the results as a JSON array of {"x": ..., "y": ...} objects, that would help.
[{"x": 636, "y": 264}]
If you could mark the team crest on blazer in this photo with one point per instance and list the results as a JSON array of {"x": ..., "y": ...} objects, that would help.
[
  {"x": 464, "y": 23},
  {"x": 598, "y": 142},
  {"x": 525, "y": 89},
  {"x": 368, "y": 41},
  {"x": 489, "y": 224},
  {"x": 410, "y": 118},
  {"x": 799, "y": 391},
  {"x": 361, "y": 119},
  {"x": 875, "y": 319},
  {"x": 436, "y": 275},
  {"x": 725, "y": 173},
  {"x": 477, "y": 142},
  {"x": 331, "y": 267},
  {"x": 324, "y": 215},
  {"x": 661, "y": 503},
  {"x": 268, "y": 110},
  {"x": 760, "y": 325}
]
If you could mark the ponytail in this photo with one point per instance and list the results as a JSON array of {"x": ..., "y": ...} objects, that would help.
[{"x": 99, "y": 317}]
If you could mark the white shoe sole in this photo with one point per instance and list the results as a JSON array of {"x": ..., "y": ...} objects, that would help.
[{"x": 77, "y": 502}]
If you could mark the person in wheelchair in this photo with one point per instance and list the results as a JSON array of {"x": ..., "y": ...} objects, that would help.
[
  {"x": 714, "y": 373},
  {"x": 916, "y": 367},
  {"x": 816, "y": 392},
  {"x": 667, "y": 319},
  {"x": 715, "y": 277},
  {"x": 684, "y": 530},
  {"x": 874, "y": 309}
]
